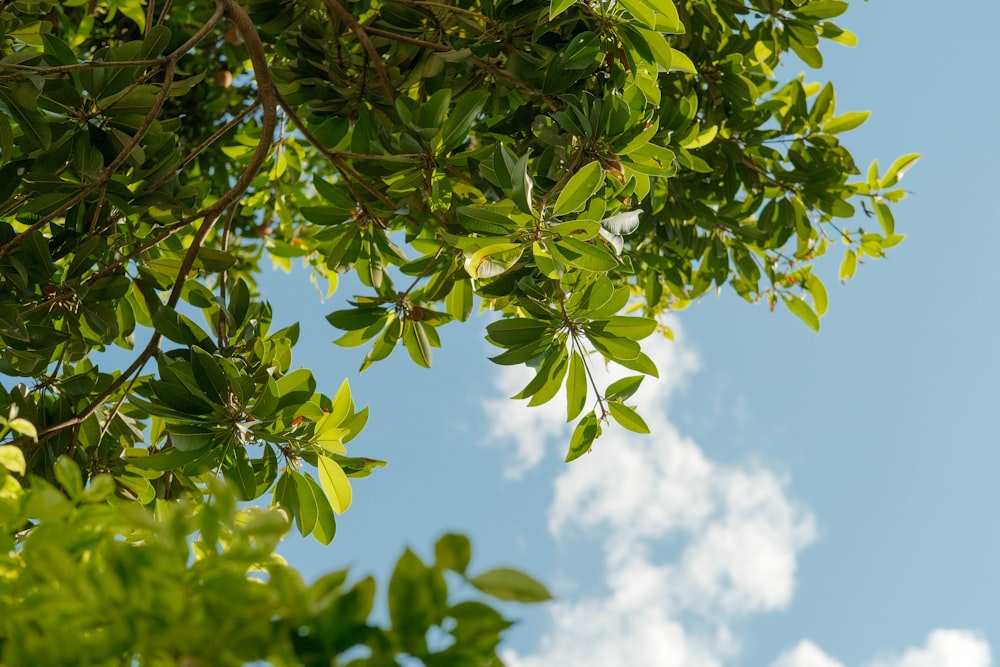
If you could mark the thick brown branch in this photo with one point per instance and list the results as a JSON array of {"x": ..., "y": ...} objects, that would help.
[{"x": 266, "y": 96}]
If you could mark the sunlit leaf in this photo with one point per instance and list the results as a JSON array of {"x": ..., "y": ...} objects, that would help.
[{"x": 335, "y": 484}]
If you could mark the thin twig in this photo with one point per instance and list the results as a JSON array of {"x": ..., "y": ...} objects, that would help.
[
  {"x": 147, "y": 123},
  {"x": 334, "y": 7},
  {"x": 151, "y": 347},
  {"x": 105, "y": 175}
]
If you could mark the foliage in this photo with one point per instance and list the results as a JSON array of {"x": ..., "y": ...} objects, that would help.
[
  {"x": 578, "y": 168},
  {"x": 106, "y": 584}
]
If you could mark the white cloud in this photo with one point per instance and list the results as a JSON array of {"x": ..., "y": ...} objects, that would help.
[
  {"x": 739, "y": 533},
  {"x": 805, "y": 654},
  {"x": 512, "y": 423},
  {"x": 944, "y": 648}
]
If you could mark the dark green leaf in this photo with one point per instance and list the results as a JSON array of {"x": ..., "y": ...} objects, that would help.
[
  {"x": 576, "y": 387},
  {"x": 586, "y": 431}
]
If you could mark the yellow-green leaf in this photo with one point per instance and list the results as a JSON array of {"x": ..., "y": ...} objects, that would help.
[
  {"x": 845, "y": 122},
  {"x": 576, "y": 387},
  {"x": 12, "y": 458},
  {"x": 628, "y": 418},
  {"x": 580, "y": 188},
  {"x": 802, "y": 310},
  {"x": 849, "y": 265},
  {"x": 24, "y": 427},
  {"x": 335, "y": 484}
]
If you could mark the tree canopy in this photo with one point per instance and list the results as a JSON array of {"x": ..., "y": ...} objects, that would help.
[{"x": 578, "y": 168}]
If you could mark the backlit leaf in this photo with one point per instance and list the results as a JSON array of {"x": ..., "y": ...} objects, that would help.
[{"x": 335, "y": 484}]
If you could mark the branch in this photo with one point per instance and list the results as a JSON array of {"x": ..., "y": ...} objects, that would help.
[
  {"x": 151, "y": 347},
  {"x": 154, "y": 111},
  {"x": 487, "y": 67},
  {"x": 334, "y": 7},
  {"x": 336, "y": 159},
  {"x": 105, "y": 176}
]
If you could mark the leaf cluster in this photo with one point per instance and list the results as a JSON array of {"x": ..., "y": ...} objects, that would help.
[
  {"x": 578, "y": 168},
  {"x": 109, "y": 584}
]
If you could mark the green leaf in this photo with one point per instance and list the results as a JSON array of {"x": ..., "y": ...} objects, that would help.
[
  {"x": 326, "y": 523},
  {"x": 522, "y": 185},
  {"x": 31, "y": 121},
  {"x": 189, "y": 437},
  {"x": 417, "y": 344},
  {"x": 583, "y": 255},
  {"x": 239, "y": 472},
  {"x": 628, "y": 417},
  {"x": 24, "y": 427},
  {"x": 587, "y": 430},
  {"x": 521, "y": 353},
  {"x": 12, "y": 458},
  {"x": 802, "y": 310},
  {"x": 453, "y": 552},
  {"x": 642, "y": 12},
  {"x": 849, "y": 265},
  {"x": 642, "y": 364},
  {"x": 506, "y": 584},
  {"x": 635, "y": 328},
  {"x": 557, "y": 7},
  {"x": 295, "y": 388},
  {"x": 623, "y": 389},
  {"x": 518, "y": 331},
  {"x": 845, "y": 122},
  {"x": 493, "y": 260},
  {"x": 68, "y": 475},
  {"x": 898, "y": 169},
  {"x": 679, "y": 62},
  {"x": 335, "y": 484},
  {"x": 885, "y": 217},
  {"x": 485, "y": 221},
  {"x": 821, "y": 9},
  {"x": 614, "y": 348},
  {"x": 817, "y": 290},
  {"x": 343, "y": 405},
  {"x": 167, "y": 459},
  {"x": 576, "y": 386},
  {"x": 552, "y": 372},
  {"x": 210, "y": 376},
  {"x": 307, "y": 503},
  {"x": 459, "y": 300},
  {"x": 411, "y": 602},
  {"x": 285, "y": 495},
  {"x": 461, "y": 118},
  {"x": 6, "y": 144},
  {"x": 579, "y": 189}
]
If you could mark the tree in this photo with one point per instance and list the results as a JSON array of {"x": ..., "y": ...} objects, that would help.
[{"x": 580, "y": 167}]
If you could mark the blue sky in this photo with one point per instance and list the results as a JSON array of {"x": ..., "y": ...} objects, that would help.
[{"x": 806, "y": 500}]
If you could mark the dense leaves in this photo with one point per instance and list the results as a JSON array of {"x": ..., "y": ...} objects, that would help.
[
  {"x": 109, "y": 584},
  {"x": 578, "y": 168},
  {"x": 563, "y": 162}
]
